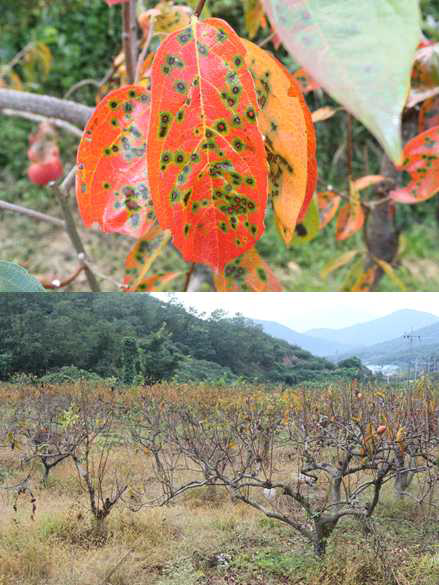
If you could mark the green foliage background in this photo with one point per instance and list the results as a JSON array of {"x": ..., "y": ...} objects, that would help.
[
  {"x": 83, "y": 37},
  {"x": 139, "y": 339}
]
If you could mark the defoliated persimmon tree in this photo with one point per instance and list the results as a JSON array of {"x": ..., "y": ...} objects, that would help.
[{"x": 209, "y": 129}]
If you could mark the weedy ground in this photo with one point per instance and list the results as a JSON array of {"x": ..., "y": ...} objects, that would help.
[{"x": 203, "y": 538}]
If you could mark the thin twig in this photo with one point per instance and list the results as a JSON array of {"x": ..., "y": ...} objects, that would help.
[
  {"x": 32, "y": 213},
  {"x": 38, "y": 118},
  {"x": 129, "y": 38},
  {"x": 55, "y": 284},
  {"x": 267, "y": 40},
  {"x": 188, "y": 277},
  {"x": 199, "y": 8},
  {"x": 142, "y": 56},
  {"x": 61, "y": 192},
  {"x": 349, "y": 148},
  {"x": 80, "y": 84}
]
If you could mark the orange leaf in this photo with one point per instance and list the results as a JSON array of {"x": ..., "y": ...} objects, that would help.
[
  {"x": 421, "y": 156},
  {"x": 307, "y": 83},
  {"x": 112, "y": 183},
  {"x": 368, "y": 181},
  {"x": 247, "y": 273},
  {"x": 350, "y": 218},
  {"x": 289, "y": 134},
  {"x": 329, "y": 202},
  {"x": 206, "y": 156}
]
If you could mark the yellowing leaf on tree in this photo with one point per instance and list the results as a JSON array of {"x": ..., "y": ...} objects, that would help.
[
  {"x": 365, "y": 280},
  {"x": 350, "y": 218},
  {"x": 168, "y": 17},
  {"x": 142, "y": 256},
  {"x": 254, "y": 17},
  {"x": 425, "y": 74},
  {"x": 360, "y": 52},
  {"x": 338, "y": 263},
  {"x": 206, "y": 155},
  {"x": 112, "y": 183},
  {"x": 290, "y": 140},
  {"x": 248, "y": 273},
  {"x": 421, "y": 161}
]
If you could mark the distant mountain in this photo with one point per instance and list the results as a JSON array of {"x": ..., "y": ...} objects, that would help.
[
  {"x": 423, "y": 345},
  {"x": 320, "y": 347},
  {"x": 377, "y": 330}
]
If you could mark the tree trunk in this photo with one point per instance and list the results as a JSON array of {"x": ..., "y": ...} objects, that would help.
[{"x": 381, "y": 233}]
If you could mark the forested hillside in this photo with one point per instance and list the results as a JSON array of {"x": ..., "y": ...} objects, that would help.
[{"x": 113, "y": 335}]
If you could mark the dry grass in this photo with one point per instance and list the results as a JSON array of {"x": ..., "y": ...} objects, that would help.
[{"x": 181, "y": 544}]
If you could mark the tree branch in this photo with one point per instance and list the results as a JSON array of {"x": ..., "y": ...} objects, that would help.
[
  {"x": 129, "y": 38},
  {"x": 44, "y": 105},
  {"x": 32, "y": 213}
]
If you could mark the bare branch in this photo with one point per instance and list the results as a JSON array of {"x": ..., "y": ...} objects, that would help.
[{"x": 44, "y": 105}]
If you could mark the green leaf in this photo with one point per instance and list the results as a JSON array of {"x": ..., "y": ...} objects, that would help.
[
  {"x": 360, "y": 52},
  {"x": 14, "y": 278}
]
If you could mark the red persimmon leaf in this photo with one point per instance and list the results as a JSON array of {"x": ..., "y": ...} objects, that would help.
[
  {"x": 350, "y": 218},
  {"x": 111, "y": 2},
  {"x": 328, "y": 202},
  {"x": 247, "y": 273},
  {"x": 112, "y": 183},
  {"x": 290, "y": 139},
  {"x": 254, "y": 17},
  {"x": 142, "y": 256},
  {"x": 206, "y": 156},
  {"x": 421, "y": 161}
]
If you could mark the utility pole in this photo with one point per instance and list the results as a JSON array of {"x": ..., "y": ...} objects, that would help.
[{"x": 411, "y": 338}]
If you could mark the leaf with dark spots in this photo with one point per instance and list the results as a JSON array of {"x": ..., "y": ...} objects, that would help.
[
  {"x": 421, "y": 161},
  {"x": 248, "y": 273},
  {"x": 112, "y": 187},
  {"x": 308, "y": 227},
  {"x": 142, "y": 256},
  {"x": 285, "y": 120},
  {"x": 200, "y": 87}
]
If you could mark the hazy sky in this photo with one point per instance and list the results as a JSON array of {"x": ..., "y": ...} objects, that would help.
[{"x": 303, "y": 311}]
